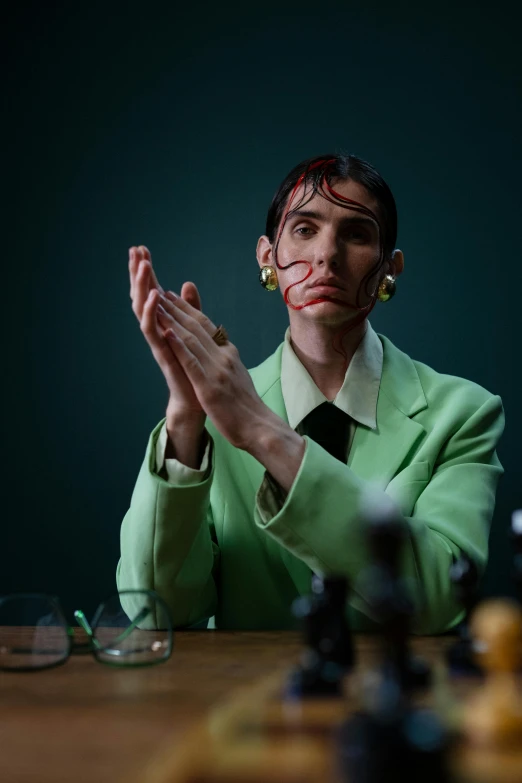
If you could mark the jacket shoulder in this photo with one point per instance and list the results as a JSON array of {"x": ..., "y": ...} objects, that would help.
[
  {"x": 440, "y": 391},
  {"x": 451, "y": 389}
]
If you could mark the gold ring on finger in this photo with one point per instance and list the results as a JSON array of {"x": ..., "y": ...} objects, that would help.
[{"x": 220, "y": 336}]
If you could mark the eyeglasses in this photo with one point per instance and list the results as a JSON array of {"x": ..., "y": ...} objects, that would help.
[{"x": 132, "y": 628}]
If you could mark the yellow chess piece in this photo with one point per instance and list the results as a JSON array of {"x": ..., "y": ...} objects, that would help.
[{"x": 493, "y": 718}]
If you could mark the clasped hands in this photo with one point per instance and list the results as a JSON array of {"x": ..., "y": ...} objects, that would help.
[{"x": 203, "y": 378}]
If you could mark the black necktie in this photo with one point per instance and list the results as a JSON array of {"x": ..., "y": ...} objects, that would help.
[{"x": 329, "y": 426}]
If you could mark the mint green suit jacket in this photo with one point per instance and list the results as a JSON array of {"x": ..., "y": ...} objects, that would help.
[{"x": 209, "y": 550}]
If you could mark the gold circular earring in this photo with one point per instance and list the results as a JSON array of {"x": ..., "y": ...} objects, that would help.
[
  {"x": 268, "y": 278},
  {"x": 386, "y": 288}
]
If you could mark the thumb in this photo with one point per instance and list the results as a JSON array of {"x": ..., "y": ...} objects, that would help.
[{"x": 190, "y": 294}]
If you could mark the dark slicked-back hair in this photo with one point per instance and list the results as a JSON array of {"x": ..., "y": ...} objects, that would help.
[{"x": 345, "y": 167}]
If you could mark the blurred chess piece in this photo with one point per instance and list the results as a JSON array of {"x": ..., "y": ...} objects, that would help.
[
  {"x": 393, "y": 744},
  {"x": 328, "y": 646},
  {"x": 392, "y": 739},
  {"x": 464, "y": 575},
  {"x": 387, "y": 594},
  {"x": 516, "y": 538},
  {"x": 493, "y": 717}
]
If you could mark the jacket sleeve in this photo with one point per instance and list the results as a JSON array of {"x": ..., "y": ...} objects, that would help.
[
  {"x": 321, "y": 523},
  {"x": 176, "y": 472},
  {"x": 168, "y": 541}
]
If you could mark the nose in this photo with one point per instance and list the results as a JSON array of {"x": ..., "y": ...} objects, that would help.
[{"x": 328, "y": 252}]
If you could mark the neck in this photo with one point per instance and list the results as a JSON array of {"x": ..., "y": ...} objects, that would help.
[{"x": 314, "y": 344}]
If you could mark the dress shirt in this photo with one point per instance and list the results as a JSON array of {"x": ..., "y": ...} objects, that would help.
[{"x": 357, "y": 397}]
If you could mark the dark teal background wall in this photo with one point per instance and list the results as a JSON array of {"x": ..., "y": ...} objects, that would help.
[{"x": 173, "y": 127}]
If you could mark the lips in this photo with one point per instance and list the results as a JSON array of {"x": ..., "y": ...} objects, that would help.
[
  {"x": 325, "y": 287},
  {"x": 326, "y": 282}
]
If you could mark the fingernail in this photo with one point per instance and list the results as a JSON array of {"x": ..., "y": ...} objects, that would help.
[{"x": 172, "y": 294}]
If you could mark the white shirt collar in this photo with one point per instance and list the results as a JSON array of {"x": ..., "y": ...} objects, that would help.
[{"x": 357, "y": 396}]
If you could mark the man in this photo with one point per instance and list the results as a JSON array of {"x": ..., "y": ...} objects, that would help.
[{"x": 237, "y": 501}]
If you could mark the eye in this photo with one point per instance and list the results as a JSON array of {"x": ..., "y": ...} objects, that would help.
[
  {"x": 358, "y": 234},
  {"x": 303, "y": 229}
]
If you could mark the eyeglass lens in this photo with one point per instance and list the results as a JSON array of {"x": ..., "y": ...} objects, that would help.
[
  {"x": 33, "y": 633},
  {"x": 131, "y": 629}
]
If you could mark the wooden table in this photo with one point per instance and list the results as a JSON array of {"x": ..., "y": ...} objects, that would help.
[{"x": 86, "y": 721}]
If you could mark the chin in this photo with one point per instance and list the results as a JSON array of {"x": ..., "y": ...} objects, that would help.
[{"x": 329, "y": 313}]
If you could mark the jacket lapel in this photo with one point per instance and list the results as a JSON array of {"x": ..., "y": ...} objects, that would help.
[
  {"x": 267, "y": 381},
  {"x": 375, "y": 455}
]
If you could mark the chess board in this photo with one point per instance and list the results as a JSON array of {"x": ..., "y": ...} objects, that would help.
[{"x": 259, "y": 734}]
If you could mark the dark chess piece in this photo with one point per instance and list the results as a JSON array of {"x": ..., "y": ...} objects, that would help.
[
  {"x": 390, "y": 740},
  {"x": 464, "y": 575},
  {"x": 328, "y": 652},
  {"x": 388, "y": 597}
]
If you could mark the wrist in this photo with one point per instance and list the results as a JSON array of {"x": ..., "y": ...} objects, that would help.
[
  {"x": 185, "y": 421},
  {"x": 262, "y": 429},
  {"x": 186, "y": 439},
  {"x": 277, "y": 446},
  {"x": 186, "y": 447}
]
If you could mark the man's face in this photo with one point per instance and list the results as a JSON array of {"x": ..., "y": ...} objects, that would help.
[{"x": 341, "y": 246}]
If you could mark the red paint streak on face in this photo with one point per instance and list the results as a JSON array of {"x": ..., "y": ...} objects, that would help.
[
  {"x": 363, "y": 312},
  {"x": 350, "y": 203}
]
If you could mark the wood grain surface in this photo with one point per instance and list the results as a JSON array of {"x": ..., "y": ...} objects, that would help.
[{"x": 86, "y": 721}]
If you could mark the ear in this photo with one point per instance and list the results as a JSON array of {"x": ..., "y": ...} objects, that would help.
[
  {"x": 264, "y": 252},
  {"x": 396, "y": 264}
]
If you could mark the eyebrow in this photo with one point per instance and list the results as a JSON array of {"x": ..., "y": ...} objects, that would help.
[{"x": 309, "y": 213}]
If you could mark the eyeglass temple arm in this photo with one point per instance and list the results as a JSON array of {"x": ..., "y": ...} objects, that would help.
[{"x": 82, "y": 620}]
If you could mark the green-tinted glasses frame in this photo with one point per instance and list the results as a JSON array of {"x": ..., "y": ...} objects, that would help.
[{"x": 93, "y": 646}]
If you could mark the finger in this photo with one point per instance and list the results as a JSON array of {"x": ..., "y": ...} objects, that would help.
[
  {"x": 133, "y": 268},
  {"x": 148, "y": 323},
  {"x": 165, "y": 320},
  {"x": 137, "y": 254},
  {"x": 202, "y": 326},
  {"x": 190, "y": 294},
  {"x": 188, "y": 360},
  {"x": 167, "y": 306},
  {"x": 153, "y": 279},
  {"x": 159, "y": 346},
  {"x": 181, "y": 305},
  {"x": 135, "y": 265},
  {"x": 142, "y": 288},
  {"x": 196, "y": 339}
]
